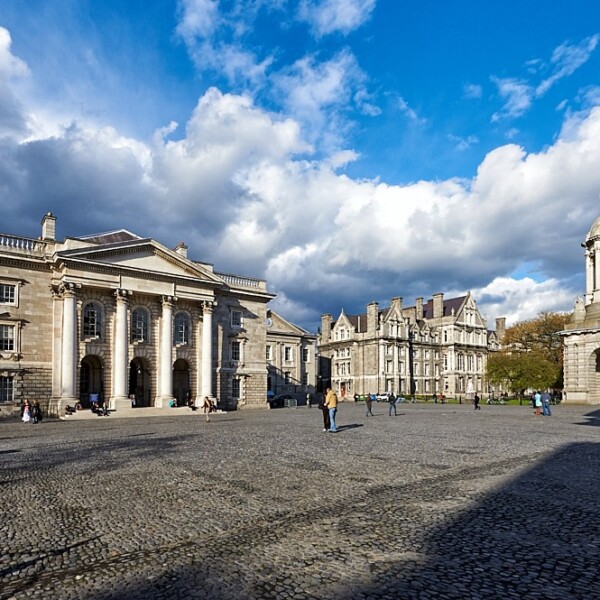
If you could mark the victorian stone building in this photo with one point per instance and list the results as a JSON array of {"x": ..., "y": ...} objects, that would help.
[
  {"x": 582, "y": 334},
  {"x": 433, "y": 347},
  {"x": 122, "y": 318},
  {"x": 291, "y": 358}
]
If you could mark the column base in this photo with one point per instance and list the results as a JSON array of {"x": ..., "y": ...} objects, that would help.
[
  {"x": 120, "y": 403},
  {"x": 163, "y": 401}
]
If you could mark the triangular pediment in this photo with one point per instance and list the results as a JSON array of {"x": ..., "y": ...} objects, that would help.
[
  {"x": 277, "y": 324},
  {"x": 139, "y": 255},
  {"x": 343, "y": 322}
]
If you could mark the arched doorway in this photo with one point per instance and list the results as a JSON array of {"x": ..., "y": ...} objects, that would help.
[
  {"x": 90, "y": 379},
  {"x": 139, "y": 382},
  {"x": 181, "y": 381}
]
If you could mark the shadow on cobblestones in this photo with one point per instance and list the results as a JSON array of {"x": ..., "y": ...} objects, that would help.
[{"x": 237, "y": 512}]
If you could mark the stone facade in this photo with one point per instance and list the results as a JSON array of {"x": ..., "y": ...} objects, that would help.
[
  {"x": 433, "y": 347},
  {"x": 582, "y": 333},
  {"x": 127, "y": 320},
  {"x": 291, "y": 358}
]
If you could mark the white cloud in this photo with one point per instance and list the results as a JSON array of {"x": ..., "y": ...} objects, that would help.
[
  {"x": 517, "y": 95},
  {"x": 521, "y": 299},
  {"x": 199, "y": 19},
  {"x": 237, "y": 187},
  {"x": 463, "y": 143},
  {"x": 10, "y": 65},
  {"x": 472, "y": 90},
  {"x": 336, "y": 16},
  {"x": 567, "y": 58}
]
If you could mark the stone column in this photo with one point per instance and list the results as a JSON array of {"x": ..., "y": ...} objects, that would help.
[
  {"x": 119, "y": 399},
  {"x": 596, "y": 263},
  {"x": 206, "y": 389},
  {"x": 166, "y": 353},
  {"x": 69, "y": 346}
]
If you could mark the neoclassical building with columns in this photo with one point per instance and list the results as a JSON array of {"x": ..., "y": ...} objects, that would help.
[
  {"x": 582, "y": 333},
  {"x": 126, "y": 320}
]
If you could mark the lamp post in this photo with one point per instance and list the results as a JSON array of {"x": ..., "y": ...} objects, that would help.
[{"x": 411, "y": 365}]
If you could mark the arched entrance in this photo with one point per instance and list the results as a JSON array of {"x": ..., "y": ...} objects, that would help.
[
  {"x": 90, "y": 379},
  {"x": 139, "y": 382},
  {"x": 181, "y": 381}
]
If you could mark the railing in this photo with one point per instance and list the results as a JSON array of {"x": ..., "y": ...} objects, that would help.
[
  {"x": 21, "y": 245},
  {"x": 240, "y": 281}
]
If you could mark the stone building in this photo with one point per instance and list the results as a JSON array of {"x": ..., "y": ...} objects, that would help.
[
  {"x": 118, "y": 317},
  {"x": 291, "y": 358},
  {"x": 582, "y": 333},
  {"x": 433, "y": 347}
]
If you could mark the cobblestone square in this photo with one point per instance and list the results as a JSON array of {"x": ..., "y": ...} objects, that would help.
[{"x": 439, "y": 502}]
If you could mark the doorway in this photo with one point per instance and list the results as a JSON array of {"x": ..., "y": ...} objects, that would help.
[
  {"x": 139, "y": 382},
  {"x": 90, "y": 380},
  {"x": 181, "y": 381}
]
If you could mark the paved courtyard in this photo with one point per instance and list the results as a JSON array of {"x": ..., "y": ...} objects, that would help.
[{"x": 438, "y": 502}]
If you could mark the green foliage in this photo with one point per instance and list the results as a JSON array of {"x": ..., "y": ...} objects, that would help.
[{"x": 532, "y": 354}]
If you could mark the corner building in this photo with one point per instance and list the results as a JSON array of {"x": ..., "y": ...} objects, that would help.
[
  {"x": 582, "y": 334},
  {"x": 433, "y": 347},
  {"x": 124, "y": 319}
]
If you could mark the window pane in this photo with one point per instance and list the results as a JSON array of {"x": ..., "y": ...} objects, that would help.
[
  {"x": 91, "y": 321},
  {"x": 236, "y": 318},
  {"x": 6, "y": 389},
  {"x": 139, "y": 325},
  {"x": 7, "y": 337},
  {"x": 235, "y": 351},
  {"x": 7, "y": 293},
  {"x": 182, "y": 329},
  {"x": 235, "y": 388}
]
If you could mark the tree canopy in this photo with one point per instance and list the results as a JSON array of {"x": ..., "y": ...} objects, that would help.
[{"x": 531, "y": 354}]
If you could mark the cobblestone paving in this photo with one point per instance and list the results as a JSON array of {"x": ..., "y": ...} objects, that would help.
[{"x": 438, "y": 502}]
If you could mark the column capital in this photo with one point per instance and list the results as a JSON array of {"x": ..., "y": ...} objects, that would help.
[
  {"x": 168, "y": 300},
  {"x": 66, "y": 289},
  {"x": 208, "y": 307},
  {"x": 122, "y": 295}
]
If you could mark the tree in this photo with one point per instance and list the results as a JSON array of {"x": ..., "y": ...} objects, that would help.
[{"x": 531, "y": 355}]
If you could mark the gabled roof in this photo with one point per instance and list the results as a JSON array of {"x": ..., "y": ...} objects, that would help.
[
  {"x": 278, "y": 324},
  {"x": 451, "y": 303},
  {"x": 110, "y": 237}
]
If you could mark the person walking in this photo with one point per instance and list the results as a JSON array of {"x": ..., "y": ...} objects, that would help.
[
  {"x": 476, "y": 400},
  {"x": 325, "y": 413},
  {"x": 369, "y": 404},
  {"x": 392, "y": 404},
  {"x": 331, "y": 402},
  {"x": 546, "y": 412},
  {"x": 537, "y": 399},
  {"x": 207, "y": 407}
]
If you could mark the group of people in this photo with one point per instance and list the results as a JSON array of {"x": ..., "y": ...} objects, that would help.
[
  {"x": 541, "y": 403},
  {"x": 31, "y": 412},
  {"x": 328, "y": 406}
]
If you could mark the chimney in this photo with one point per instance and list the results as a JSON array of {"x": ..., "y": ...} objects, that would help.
[
  {"x": 49, "y": 227},
  {"x": 181, "y": 249},
  {"x": 326, "y": 328},
  {"x": 419, "y": 309},
  {"x": 438, "y": 305},
  {"x": 500, "y": 327},
  {"x": 397, "y": 303},
  {"x": 372, "y": 317}
]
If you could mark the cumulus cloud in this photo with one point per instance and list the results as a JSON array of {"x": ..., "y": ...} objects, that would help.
[
  {"x": 336, "y": 16},
  {"x": 239, "y": 187}
]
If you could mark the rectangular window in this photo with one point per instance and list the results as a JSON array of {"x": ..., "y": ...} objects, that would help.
[
  {"x": 305, "y": 355},
  {"x": 7, "y": 337},
  {"x": 6, "y": 389},
  {"x": 269, "y": 353},
  {"x": 235, "y": 351},
  {"x": 235, "y": 388},
  {"x": 304, "y": 379},
  {"x": 236, "y": 318},
  {"x": 8, "y": 293},
  {"x": 287, "y": 353}
]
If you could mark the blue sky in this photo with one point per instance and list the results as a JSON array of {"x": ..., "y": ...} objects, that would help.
[{"x": 346, "y": 150}]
